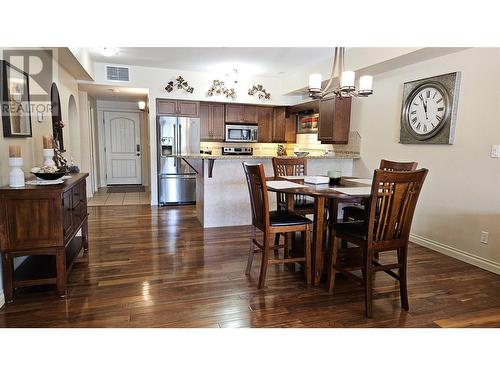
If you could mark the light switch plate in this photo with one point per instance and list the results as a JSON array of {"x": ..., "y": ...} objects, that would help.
[{"x": 495, "y": 151}]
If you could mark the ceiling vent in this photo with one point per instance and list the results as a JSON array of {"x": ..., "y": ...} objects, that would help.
[{"x": 117, "y": 73}]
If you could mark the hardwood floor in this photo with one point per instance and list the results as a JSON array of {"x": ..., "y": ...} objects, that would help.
[{"x": 156, "y": 267}]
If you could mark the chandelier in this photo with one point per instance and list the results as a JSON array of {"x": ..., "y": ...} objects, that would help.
[{"x": 346, "y": 85}]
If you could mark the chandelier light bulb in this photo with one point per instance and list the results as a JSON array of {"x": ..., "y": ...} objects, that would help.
[
  {"x": 347, "y": 81},
  {"x": 366, "y": 85},
  {"x": 315, "y": 82}
]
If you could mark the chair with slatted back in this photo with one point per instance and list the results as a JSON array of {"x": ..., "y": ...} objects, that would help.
[
  {"x": 270, "y": 223},
  {"x": 393, "y": 199},
  {"x": 293, "y": 167},
  {"x": 303, "y": 204},
  {"x": 358, "y": 212}
]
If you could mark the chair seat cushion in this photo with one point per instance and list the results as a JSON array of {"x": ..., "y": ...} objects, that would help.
[
  {"x": 354, "y": 212},
  {"x": 351, "y": 228},
  {"x": 284, "y": 218}
]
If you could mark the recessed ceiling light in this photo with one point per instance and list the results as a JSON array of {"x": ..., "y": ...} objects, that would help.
[{"x": 108, "y": 51}]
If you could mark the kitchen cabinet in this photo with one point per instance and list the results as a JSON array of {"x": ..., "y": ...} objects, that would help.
[
  {"x": 242, "y": 113},
  {"x": 250, "y": 113},
  {"x": 334, "y": 120},
  {"x": 265, "y": 122},
  {"x": 291, "y": 129},
  {"x": 279, "y": 120},
  {"x": 212, "y": 122},
  {"x": 185, "y": 108}
]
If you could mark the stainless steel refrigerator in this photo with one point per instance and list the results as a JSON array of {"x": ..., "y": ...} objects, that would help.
[{"x": 176, "y": 179}]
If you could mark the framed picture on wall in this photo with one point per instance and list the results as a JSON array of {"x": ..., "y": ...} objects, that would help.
[{"x": 15, "y": 105}]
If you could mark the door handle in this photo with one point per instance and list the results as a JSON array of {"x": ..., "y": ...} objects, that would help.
[{"x": 180, "y": 139}]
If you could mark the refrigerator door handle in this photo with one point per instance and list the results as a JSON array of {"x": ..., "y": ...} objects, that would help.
[
  {"x": 175, "y": 144},
  {"x": 180, "y": 138}
]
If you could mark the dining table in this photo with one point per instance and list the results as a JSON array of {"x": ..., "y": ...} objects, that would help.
[{"x": 348, "y": 189}]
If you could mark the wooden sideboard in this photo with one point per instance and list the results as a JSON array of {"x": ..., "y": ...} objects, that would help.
[{"x": 42, "y": 222}]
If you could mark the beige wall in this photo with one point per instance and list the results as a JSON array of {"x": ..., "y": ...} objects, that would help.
[
  {"x": 31, "y": 148},
  {"x": 461, "y": 196}
]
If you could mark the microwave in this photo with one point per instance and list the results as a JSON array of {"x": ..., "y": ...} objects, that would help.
[{"x": 241, "y": 133}]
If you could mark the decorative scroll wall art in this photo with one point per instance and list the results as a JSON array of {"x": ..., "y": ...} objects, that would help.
[
  {"x": 260, "y": 91},
  {"x": 180, "y": 83},
  {"x": 219, "y": 88}
]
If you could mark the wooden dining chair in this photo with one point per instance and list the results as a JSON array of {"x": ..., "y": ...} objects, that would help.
[
  {"x": 358, "y": 212},
  {"x": 393, "y": 199},
  {"x": 270, "y": 223},
  {"x": 293, "y": 167},
  {"x": 302, "y": 204}
]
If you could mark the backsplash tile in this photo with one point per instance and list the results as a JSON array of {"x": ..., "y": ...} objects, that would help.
[{"x": 305, "y": 142}]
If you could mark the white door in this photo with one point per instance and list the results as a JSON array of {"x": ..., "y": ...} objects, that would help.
[{"x": 123, "y": 153}]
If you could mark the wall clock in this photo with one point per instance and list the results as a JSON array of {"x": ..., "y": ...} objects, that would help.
[{"x": 429, "y": 110}]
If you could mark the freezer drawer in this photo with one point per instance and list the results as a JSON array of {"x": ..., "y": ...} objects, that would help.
[{"x": 177, "y": 189}]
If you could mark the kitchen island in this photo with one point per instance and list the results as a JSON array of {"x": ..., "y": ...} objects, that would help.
[{"x": 221, "y": 190}]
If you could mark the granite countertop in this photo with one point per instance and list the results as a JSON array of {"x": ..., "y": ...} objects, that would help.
[{"x": 336, "y": 155}]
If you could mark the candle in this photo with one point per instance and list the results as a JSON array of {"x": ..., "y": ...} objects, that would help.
[
  {"x": 14, "y": 151},
  {"x": 347, "y": 80},
  {"x": 366, "y": 84},
  {"x": 47, "y": 141},
  {"x": 315, "y": 82}
]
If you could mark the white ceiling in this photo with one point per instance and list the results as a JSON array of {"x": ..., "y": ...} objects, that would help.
[
  {"x": 261, "y": 61},
  {"x": 110, "y": 92}
]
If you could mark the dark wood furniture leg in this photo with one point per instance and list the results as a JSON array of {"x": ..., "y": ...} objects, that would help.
[
  {"x": 265, "y": 260},
  {"x": 317, "y": 250},
  {"x": 85, "y": 234},
  {"x": 251, "y": 252},
  {"x": 8, "y": 274},
  {"x": 61, "y": 271}
]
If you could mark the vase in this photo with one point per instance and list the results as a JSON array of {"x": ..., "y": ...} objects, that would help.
[
  {"x": 48, "y": 157},
  {"x": 16, "y": 174}
]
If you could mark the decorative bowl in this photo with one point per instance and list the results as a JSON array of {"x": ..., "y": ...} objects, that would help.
[
  {"x": 301, "y": 154},
  {"x": 50, "y": 176}
]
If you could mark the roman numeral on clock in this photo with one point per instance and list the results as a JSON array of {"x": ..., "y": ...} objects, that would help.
[
  {"x": 440, "y": 109},
  {"x": 413, "y": 120},
  {"x": 413, "y": 112},
  {"x": 439, "y": 100},
  {"x": 418, "y": 126},
  {"x": 438, "y": 117}
]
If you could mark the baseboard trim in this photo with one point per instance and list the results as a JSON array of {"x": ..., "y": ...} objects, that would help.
[
  {"x": 457, "y": 254},
  {"x": 2, "y": 299}
]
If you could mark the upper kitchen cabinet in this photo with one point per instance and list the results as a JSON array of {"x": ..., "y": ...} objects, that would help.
[
  {"x": 334, "y": 120},
  {"x": 250, "y": 114},
  {"x": 185, "y": 108},
  {"x": 212, "y": 121},
  {"x": 265, "y": 122},
  {"x": 241, "y": 113},
  {"x": 279, "y": 118}
]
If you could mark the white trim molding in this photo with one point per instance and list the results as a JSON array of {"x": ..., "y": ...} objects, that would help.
[
  {"x": 457, "y": 253},
  {"x": 2, "y": 299}
]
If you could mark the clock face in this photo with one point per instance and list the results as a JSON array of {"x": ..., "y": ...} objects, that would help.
[{"x": 427, "y": 110}]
